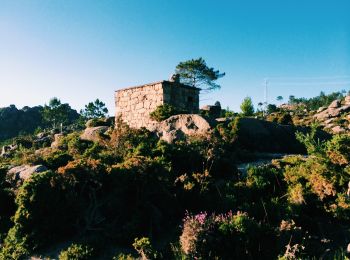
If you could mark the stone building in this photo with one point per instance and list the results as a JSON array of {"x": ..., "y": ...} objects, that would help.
[{"x": 134, "y": 104}]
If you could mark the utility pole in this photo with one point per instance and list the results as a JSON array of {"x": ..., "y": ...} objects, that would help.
[
  {"x": 266, "y": 93},
  {"x": 266, "y": 82}
]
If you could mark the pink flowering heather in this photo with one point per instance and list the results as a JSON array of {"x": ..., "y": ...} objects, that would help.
[{"x": 201, "y": 217}]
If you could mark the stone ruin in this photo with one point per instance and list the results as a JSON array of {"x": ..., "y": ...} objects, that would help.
[{"x": 134, "y": 104}]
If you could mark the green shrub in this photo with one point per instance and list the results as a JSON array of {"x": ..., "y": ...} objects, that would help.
[
  {"x": 77, "y": 252},
  {"x": 314, "y": 176},
  {"x": 57, "y": 159},
  {"x": 100, "y": 122},
  {"x": 7, "y": 204},
  {"x": 23, "y": 141},
  {"x": 226, "y": 236},
  {"x": 165, "y": 111},
  {"x": 265, "y": 178},
  {"x": 144, "y": 248},
  {"x": 74, "y": 145},
  {"x": 312, "y": 144},
  {"x": 46, "y": 212},
  {"x": 16, "y": 245},
  {"x": 338, "y": 149},
  {"x": 122, "y": 256},
  {"x": 280, "y": 118}
]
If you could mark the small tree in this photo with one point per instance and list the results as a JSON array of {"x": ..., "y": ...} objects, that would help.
[
  {"x": 292, "y": 99},
  {"x": 196, "y": 73},
  {"x": 96, "y": 109},
  {"x": 217, "y": 103},
  {"x": 279, "y": 98},
  {"x": 247, "y": 107},
  {"x": 271, "y": 108},
  {"x": 57, "y": 113}
]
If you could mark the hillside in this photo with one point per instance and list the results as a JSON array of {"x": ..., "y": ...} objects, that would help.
[{"x": 120, "y": 192}]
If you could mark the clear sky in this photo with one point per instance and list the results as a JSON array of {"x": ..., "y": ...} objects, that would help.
[{"x": 80, "y": 50}]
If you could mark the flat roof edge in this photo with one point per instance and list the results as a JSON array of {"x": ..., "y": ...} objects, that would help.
[{"x": 154, "y": 83}]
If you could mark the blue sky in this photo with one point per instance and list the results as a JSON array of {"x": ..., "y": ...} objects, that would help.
[{"x": 80, "y": 50}]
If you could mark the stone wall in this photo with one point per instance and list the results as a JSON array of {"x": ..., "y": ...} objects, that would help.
[
  {"x": 135, "y": 104},
  {"x": 181, "y": 96}
]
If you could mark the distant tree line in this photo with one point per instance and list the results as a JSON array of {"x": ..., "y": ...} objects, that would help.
[{"x": 316, "y": 102}]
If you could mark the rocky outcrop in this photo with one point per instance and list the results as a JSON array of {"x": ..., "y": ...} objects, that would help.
[
  {"x": 21, "y": 173},
  {"x": 57, "y": 139},
  {"x": 335, "y": 104},
  {"x": 335, "y": 109},
  {"x": 347, "y": 100},
  {"x": 43, "y": 140},
  {"x": 7, "y": 150},
  {"x": 94, "y": 133},
  {"x": 329, "y": 117},
  {"x": 338, "y": 129},
  {"x": 179, "y": 126}
]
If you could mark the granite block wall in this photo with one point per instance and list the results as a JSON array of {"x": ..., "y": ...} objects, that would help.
[{"x": 135, "y": 104}]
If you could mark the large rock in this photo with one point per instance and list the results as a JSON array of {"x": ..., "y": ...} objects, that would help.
[
  {"x": 334, "y": 110},
  {"x": 335, "y": 104},
  {"x": 57, "y": 139},
  {"x": 6, "y": 150},
  {"x": 321, "y": 109},
  {"x": 263, "y": 136},
  {"x": 23, "y": 172},
  {"x": 93, "y": 133},
  {"x": 179, "y": 126},
  {"x": 338, "y": 130},
  {"x": 347, "y": 100},
  {"x": 329, "y": 121},
  {"x": 43, "y": 141}
]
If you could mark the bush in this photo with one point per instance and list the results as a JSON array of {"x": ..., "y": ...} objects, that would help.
[
  {"x": 144, "y": 248},
  {"x": 314, "y": 176},
  {"x": 23, "y": 141},
  {"x": 46, "y": 212},
  {"x": 123, "y": 256},
  {"x": 7, "y": 204},
  {"x": 100, "y": 122},
  {"x": 265, "y": 178},
  {"x": 165, "y": 111},
  {"x": 338, "y": 149},
  {"x": 282, "y": 118},
  {"x": 74, "y": 145},
  {"x": 313, "y": 145},
  {"x": 226, "y": 236},
  {"x": 16, "y": 245},
  {"x": 57, "y": 159},
  {"x": 77, "y": 252}
]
